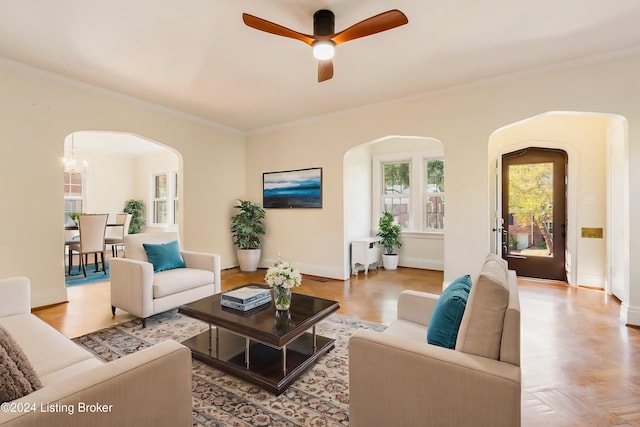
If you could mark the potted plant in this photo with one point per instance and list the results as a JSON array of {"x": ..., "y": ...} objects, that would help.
[
  {"x": 246, "y": 228},
  {"x": 389, "y": 232},
  {"x": 136, "y": 209}
]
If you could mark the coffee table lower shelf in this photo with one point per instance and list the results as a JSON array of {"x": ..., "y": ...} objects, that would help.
[{"x": 265, "y": 365}]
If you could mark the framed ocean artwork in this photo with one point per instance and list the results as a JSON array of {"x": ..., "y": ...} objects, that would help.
[{"x": 300, "y": 188}]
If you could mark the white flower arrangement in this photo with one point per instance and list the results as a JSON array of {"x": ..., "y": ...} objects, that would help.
[{"x": 283, "y": 274}]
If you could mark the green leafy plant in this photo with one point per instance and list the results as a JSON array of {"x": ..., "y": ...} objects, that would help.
[
  {"x": 136, "y": 209},
  {"x": 247, "y": 226},
  {"x": 389, "y": 231}
]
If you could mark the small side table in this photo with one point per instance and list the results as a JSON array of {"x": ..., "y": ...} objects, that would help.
[{"x": 365, "y": 252}]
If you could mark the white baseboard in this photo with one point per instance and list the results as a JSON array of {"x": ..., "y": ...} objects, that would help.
[
  {"x": 48, "y": 297},
  {"x": 630, "y": 315},
  {"x": 312, "y": 269},
  {"x": 425, "y": 264},
  {"x": 591, "y": 280}
]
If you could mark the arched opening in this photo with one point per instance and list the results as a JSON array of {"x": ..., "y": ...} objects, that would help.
[
  {"x": 596, "y": 190},
  {"x": 104, "y": 170},
  {"x": 419, "y": 205}
]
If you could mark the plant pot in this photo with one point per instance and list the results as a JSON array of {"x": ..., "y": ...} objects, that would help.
[
  {"x": 390, "y": 261},
  {"x": 248, "y": 259}
]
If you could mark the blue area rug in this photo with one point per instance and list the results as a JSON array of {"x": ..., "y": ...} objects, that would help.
[{"x": 77, "y": 278}]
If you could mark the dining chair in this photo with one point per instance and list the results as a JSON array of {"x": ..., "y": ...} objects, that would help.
[
  {"x": 92, "y": 231},
  {"x": 115, "y": 233}
]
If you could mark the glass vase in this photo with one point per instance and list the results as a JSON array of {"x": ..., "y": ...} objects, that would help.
[{"x": 282, "y": 297}]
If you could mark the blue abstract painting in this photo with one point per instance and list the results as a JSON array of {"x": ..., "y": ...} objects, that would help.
[{"x": 293, "y": 189}]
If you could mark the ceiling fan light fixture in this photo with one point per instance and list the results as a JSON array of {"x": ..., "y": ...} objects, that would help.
[{"x": 323, "y": 49}]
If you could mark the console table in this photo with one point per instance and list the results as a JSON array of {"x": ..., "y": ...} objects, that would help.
[{"x": 365, "y": 252}]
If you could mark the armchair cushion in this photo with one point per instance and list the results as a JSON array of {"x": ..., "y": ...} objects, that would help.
[
  {"x": 18, "y": 376},
  {"x": 175, "y": 281},
  {"x": 447, "y": 314},
  {"x": 164, "y": 256}
]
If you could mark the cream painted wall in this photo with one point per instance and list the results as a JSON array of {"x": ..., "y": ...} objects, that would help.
[
  {"x": 463, "y": 120},
  {"x": 109, "y": 181},
  {"x": 357, "y": 198},
  {"x": 38, "y": 110},
  {"x": 584, "y": 137}
]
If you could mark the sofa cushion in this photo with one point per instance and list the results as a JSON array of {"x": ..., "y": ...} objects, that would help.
[
  {"x": 481, "y": 328},
  {"x": 18, "y": 376},
  {"x": 173, "y": 281},
  {"x": 448, "y": 312},
  {"x": 164, "y": 256},
  {"x": 33, "y": 335}
]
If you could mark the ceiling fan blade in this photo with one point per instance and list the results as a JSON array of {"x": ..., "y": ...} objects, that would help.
[
  {"x": 325, "y": 70},
  {"x": 376, "y": 24},
  {"x": 279, "y": 30}
]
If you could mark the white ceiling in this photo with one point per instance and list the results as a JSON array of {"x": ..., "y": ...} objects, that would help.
[{"x": 197, "y": 56}]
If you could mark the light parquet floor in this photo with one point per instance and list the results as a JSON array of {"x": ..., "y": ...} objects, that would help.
[{"x": 580, "y": 364}]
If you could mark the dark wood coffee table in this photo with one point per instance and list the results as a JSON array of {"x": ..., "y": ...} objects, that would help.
[{"x": 266, "y": 347}]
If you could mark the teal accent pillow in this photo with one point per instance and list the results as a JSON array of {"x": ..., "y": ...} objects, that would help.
[
  {"x": 447, "y": 314},
  {"x": 164, "y": 256}
]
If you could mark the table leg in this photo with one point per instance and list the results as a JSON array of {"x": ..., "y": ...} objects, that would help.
[
  {"x": 284, "y": 360},
  {"x": 315, "y": 341},
  {"x": 217, "y": 343},
  {"x": 246, "y": 353}
]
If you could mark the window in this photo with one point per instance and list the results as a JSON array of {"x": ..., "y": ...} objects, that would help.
[
  {"x": 411, "y": 187},
  {"x": 396, "y": 194},
  {"x": 160, "y": 199},
  {"x": 165, "y": 198},
  {"x": 434, "y": 195},
  {"x": 73, "y": 193}
]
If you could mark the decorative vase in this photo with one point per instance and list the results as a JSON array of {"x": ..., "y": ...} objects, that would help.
[
  {"x": 282, "y": 321},
  {"x": 282, "y": 297}
]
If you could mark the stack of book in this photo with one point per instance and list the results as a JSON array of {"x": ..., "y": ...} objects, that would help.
[{"x": 246, "y": 298}]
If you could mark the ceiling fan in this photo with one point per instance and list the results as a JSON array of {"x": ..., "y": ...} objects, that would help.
[{"x": 324, "y": 38}]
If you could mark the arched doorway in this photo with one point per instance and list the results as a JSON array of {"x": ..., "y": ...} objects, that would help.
[
  {"x": 423, "y": 244},
  {"x": 112, "y": 168},
  {"x": 594, "y": 144}
]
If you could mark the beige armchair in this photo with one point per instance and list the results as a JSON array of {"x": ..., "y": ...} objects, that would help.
[
  {"x": 137, "y": 289},
  {"x": 397, "y": 379}
]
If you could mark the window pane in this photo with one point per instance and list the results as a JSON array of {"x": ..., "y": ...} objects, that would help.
[
  {"x": 399, "y": 208},
  {"x": 435, "y": 176},
  {"x": 73, "y": 184},
  {"x": 434, "y": 195},
  {"x": 435, "y": 213},
  {"x": 160, "y": 211},
  {"x": 161, "y": 186},
  {"x": 72, "y": 205},
  {"x": 531, "y": 209},
  {"x": 396, "y": 178}
]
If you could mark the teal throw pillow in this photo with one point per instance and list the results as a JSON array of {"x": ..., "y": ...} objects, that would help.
[
  {"x": 447, "y": 314},
  {"x": 164, "y": 256}
]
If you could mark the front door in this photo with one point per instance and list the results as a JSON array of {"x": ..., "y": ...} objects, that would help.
[{"x": 534, "y": 212}]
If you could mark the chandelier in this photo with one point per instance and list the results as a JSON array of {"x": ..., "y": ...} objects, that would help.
[{"x": 72, "y": 165}]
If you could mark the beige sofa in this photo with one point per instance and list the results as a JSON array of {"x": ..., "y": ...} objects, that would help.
[
  {"x": 135, "y": 287},
  {"x": 397, "y": 379},
  {"x": 151, "y": 387}
]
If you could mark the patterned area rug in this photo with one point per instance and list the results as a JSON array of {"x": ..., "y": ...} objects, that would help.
[{"x": 320, "y": 397}]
